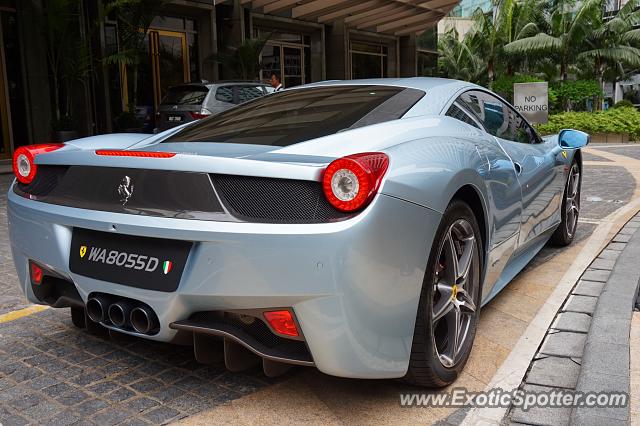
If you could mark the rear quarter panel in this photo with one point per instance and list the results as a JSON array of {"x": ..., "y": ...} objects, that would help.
[{"x": 430, "y": 171}]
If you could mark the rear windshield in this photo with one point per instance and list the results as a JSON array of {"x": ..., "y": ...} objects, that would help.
[
  {"x": 288, "y": 117},
  {"x": 185, "y": 95}
]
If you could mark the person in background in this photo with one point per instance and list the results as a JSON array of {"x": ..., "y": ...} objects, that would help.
[{"x": 275, "y": 81}]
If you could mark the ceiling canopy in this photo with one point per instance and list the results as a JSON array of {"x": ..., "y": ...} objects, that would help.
[{"x": 396, "y": 17}]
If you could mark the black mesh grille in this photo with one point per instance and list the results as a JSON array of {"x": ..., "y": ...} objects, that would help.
[
  {"x": 45, "y": 181},
  {"x": 270, "y": 200}
]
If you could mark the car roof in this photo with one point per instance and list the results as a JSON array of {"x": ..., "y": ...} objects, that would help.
[
  {"x": 439, "y": 91},
  {"x": 421, "y": 83},
  {"x": 211, "y": 84}
]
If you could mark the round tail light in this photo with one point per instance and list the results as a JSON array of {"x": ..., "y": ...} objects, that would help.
[
  {"x": 350, "y": 183},
  {"x": 24, "y": 166}
]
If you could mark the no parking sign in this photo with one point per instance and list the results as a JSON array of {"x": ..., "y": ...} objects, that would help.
[{"x": 532, "y": 101}]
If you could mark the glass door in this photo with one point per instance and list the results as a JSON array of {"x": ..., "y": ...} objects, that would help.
[
  {"x": 292, "y": 64},
  {"x": 168, "y": 65},
  {"x": 287, "y": 54},
  {"x": 170, "y": 60}
]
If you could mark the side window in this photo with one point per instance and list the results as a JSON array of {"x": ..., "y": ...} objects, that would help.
[
  {"x": 498, "y": 118},
  {"x": 224, "y": 94},
  {"x": 459, "y": 114},
  {"x": 246, "y": 93}
]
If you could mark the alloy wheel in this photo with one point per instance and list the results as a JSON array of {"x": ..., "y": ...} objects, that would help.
[
  {"x": 572, "y": 200},
  {"x": 454, "y": 292}
]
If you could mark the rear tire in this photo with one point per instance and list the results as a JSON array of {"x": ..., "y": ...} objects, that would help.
[
  {"x": 449, "y": 305},
  {"x": 570, "y": 209}
]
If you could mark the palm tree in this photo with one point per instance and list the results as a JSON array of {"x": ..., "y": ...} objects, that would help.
[
  {"x": 563, "y": 34},
  {"x": 526, "y": 17},
  {"x": 511, "y": 20},
  {"x": 615, "y": 43},
  {"x": 243, "y": 61},
  {"x": 134, "y": 20},
  {"x": 457, "y": 60},
  {"x": 59, "y": 22}
]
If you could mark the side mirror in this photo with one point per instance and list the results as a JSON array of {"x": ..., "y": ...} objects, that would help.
[{"x": 573, "y": 139}]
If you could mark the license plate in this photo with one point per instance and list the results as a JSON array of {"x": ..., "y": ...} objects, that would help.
[
  {"x": 175, "y": 118},
  {"x": 142, "y": 262}
]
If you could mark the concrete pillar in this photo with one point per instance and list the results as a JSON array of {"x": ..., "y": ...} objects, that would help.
[
  {"x": 208, "y": 45},
  {"x": 318, "y": 68},
  {"x": 337, "y": 56},
  {"x": 408, "y": 56},
  {"x": 237, "y": 24}
]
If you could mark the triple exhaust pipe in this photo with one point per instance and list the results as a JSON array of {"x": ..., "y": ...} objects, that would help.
[{"x": 124, "y": 314}]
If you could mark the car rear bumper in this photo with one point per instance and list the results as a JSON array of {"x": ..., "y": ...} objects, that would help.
[{"x": 354, "y": 285}]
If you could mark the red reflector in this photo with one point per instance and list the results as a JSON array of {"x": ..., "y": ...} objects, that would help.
[
  {"x": 282, "y": 322},
  {"x": 36, "y": 273},
  {"x": 145, "y": 154}
]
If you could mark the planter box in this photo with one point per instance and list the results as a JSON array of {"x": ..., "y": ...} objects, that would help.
[{"x": 609, "y": 138}]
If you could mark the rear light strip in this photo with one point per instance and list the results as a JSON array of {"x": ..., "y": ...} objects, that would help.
[{"x": 145, "y": 154}]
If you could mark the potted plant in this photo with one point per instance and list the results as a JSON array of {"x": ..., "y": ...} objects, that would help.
[
  {"x": 128, "y": 122},
  {"x": 134, "y": 20},
  {"x": 243, "y": 61},
  {"x": 69, "y": 62},
  {"x": 64, "y": 129}
]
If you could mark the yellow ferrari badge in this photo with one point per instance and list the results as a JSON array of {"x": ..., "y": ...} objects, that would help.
[
  {"x": 564, "y": 154},
  {"x": 83, "y": 251}
]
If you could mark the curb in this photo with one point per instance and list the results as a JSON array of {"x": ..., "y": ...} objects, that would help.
[
  {"x": 605, "y": 365},
  {"x": 586, "y": 347}
]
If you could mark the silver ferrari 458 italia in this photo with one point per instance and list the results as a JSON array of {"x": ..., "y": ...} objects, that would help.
[{"x": 354, "y": 226}]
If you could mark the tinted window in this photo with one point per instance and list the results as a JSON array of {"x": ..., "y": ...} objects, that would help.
[
  {"x": 185, "y": 95},
  {"x": 288, "y": 117},
  {"x": 225, "y": 94},
  {"x": 459, "y": 114},
  {"x": 498, "y": 118},
  {"x": 247, "y": 93}
]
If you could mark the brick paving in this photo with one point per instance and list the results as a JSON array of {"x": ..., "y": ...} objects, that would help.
[
  {"x": 587, "y": 346},
  {"x": 632, "y": 151},
  {"x": 51, "y": 372}
]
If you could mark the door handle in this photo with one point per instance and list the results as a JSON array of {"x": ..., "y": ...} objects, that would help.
[{"x": 518, "y": 168}]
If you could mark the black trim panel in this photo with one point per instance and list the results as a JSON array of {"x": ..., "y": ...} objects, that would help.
[
  {"x": 146, "y": 192},
  {"x": 237, "y": 335}
]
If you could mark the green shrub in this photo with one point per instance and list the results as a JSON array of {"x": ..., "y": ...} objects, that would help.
[
  {"x": 623, "y": 103},
  {"x": 576, "y": 93},
  {"x": 615, "y": 120}
]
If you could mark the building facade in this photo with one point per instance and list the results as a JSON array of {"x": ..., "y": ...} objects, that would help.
[
  {"x": 628, "y": 89},
  {"x": 81, "y": 79},
  {"x": 461, "y": 16}
]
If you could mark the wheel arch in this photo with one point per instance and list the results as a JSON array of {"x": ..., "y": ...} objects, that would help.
[
  {"x": 472, "y": 197},
  {"x": 578, "y": 157}
]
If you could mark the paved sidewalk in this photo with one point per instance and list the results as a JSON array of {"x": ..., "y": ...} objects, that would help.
[{"x": 587, "y": 346}]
